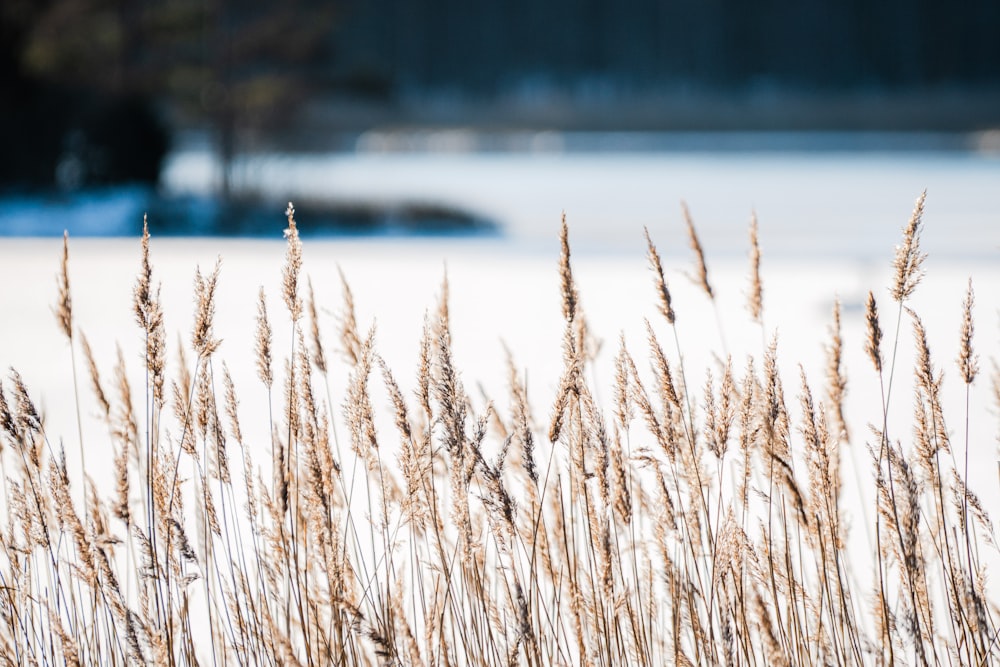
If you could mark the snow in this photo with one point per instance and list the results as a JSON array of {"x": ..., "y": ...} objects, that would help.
[{"x": 498, "y": 296}]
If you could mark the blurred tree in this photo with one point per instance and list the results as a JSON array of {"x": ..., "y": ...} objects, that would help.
[{"x": 237, "y": 66}]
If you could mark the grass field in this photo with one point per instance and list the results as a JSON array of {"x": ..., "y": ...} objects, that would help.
[{"x": 586, "y": 463}]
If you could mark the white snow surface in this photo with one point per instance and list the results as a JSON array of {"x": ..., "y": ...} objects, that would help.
[
  {"x": 822, "y": 204},
  {"x": 497, "y": 296}
]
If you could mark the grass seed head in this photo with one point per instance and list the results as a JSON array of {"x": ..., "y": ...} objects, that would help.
[
  {"x": 293, "y": 265},
  {"x": 569, "y": 293},
  {"x": 873, "y": 343},
  {"x": 755, "y": 300},
  {"x": 701, "y": 270},
  {"x": 968, "y": 362},
  {"x": 662, "y": 292},
  {"x": 262, "y": 343},
  {"x": 909, "y": 260},
  {"x": 64, "y": 309}
]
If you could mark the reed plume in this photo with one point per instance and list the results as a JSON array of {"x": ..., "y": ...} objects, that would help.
[
  {"x": 836, "y": 381},
  {"x": 263, "y": 342},
  {"x": 755, "y": 299},
  {"x": 202, "y": 339},
  {"x": 64, "y": 307},
  {"x": 968, "y": 363},
  {"x": 662, "y": 292},
  {"x": 569, "y": 293},
  {"x": 701, "y": 270},
  {"x": 874, "y": 340},
  {"x": 319, "y": 357},
  {"x": 909, "y": 261},
  {"x": 293, "y": 265},
  {"x": 95, "y": 378}
]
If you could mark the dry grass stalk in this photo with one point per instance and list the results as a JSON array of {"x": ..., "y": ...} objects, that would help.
[
  {"x": 64, "y": 309},
  {"x": 443, "y": 321},
  {"x": 202, "y": 339},
  {"x": 183, "y": 409},
  {"x": 639, "y": 396},
  {"x": 293, "y": 265},
  {"x": 824, "y": 467},
  {"x": 929, "y": 383},
  {"x": 909, "y": 260},
  {"x": 900, "y": 509},
  {"x": 873, "y": 342},
  {"x": 349, "y": 338},
  {"x": 720, "y": 415},
  {"x": 262, "y": 342},
  {"x": 968, "y": 363},
  {"x": 569, "y": 293},
  {"x": 95, "y": 379},
  {"x": 126, "y": 432},
  {"x": 423, "y": 390},
  {"x": 143, "y": 288},
  {"x": 836, "y": 382},
  {"x": 7, "y": 418},
  {"x": 67, "y": 643},
  {"x": 149, "y": 316},
  {"x": 624, "y": 412},
  {"x": 319, "y": 357},
  {"x": 358, "y": 408},
  {"x": 755, "y": 299},
  {"x": 665, "y": 386},
  {"x": 521, "y": 431},
  {"x": 622, "y": 482},
  {"x": 701, "y": 270},
  {"x": 748, "y": 435},
  {"x": 567, "y": 385},
  {"x": 231, "y": 404},
  {"x": 662, "y": 292},
  {"x": 414, "y": 461},
  {"x": 29, "y": 424}
]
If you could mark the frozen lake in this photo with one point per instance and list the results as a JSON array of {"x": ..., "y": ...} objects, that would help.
[{"x": 823, "y": 202}]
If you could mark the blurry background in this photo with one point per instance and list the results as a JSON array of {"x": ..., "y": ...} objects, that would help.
[{"x": 441, "y": 116}]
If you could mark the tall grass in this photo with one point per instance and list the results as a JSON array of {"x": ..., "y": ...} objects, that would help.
[{"x": 681, "y": 523}]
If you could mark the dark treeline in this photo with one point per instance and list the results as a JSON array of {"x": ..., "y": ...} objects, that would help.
[
  {"x": 500, "y": 46},
  {"x": 91, "y": 91}
]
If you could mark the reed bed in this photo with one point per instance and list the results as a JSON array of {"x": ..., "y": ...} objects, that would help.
[{"x": 689, "y": 518}]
